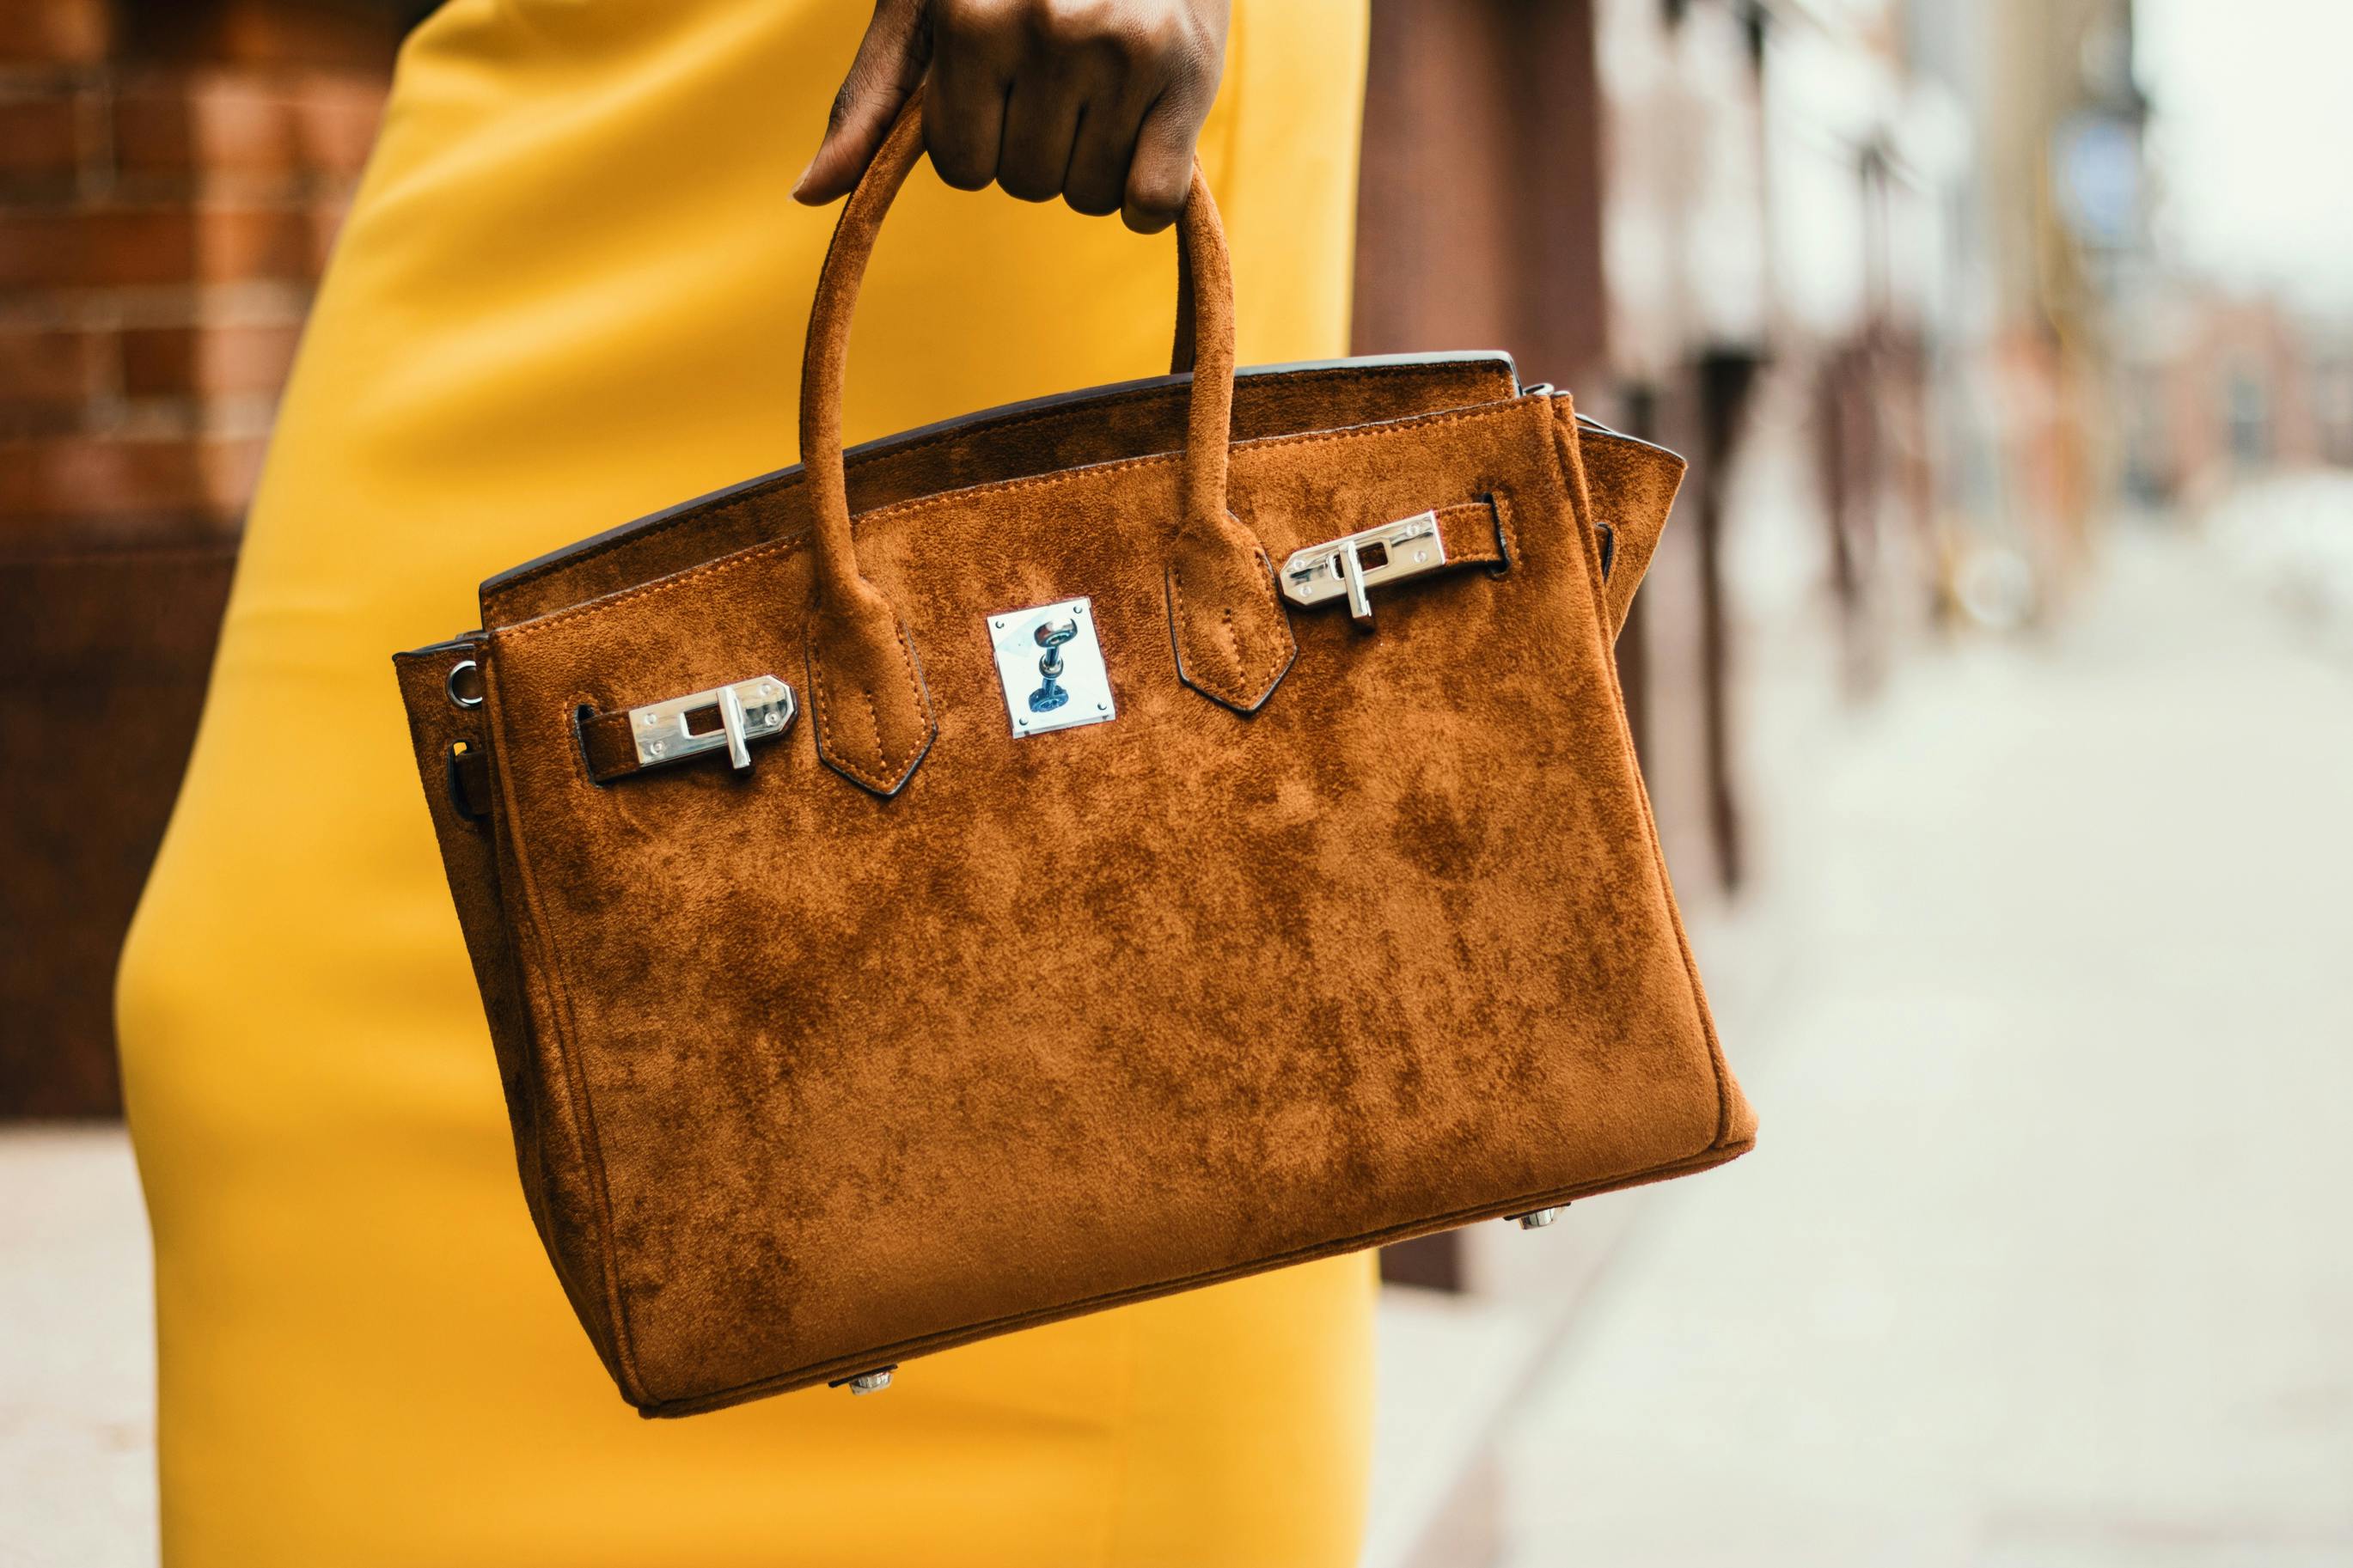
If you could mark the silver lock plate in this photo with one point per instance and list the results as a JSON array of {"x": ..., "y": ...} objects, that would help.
[
  {"x": 1351, "y": 566},
  {"x": 1056, "y": 682},
  {"x": 725, "y": 718}
]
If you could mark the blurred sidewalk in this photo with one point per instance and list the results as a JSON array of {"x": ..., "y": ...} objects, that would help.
[
  {"x": 2043, "y": 1259},
  {"x": 77, "y": 1353}
]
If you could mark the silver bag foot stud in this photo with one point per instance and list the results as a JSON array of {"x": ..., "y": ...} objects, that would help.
[
  {"x": 1538, "y": 1219},
  {"x": 873, "y": 1382}
]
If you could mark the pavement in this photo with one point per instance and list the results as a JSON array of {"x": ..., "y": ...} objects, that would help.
[
  {"x": 2045, "y": 993},
  {"x": 2043, "y": 1258},
  {"x": 77, "y": 1353}
]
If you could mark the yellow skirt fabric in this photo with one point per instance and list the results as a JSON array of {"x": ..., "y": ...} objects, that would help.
[{"x": 573, "y": 291}]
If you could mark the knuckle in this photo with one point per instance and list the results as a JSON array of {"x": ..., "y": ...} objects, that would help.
[
  {"x": 1073, "y": 23},
  {"x": 967, "y": 21},
  {"x": 958, "y": 170},
  {"x": 1028, "y": 185},
  {"x": 1188, "y": 89},
  {"x": 1154, "y": 206},
  {"x": 1157, "y": 40}
]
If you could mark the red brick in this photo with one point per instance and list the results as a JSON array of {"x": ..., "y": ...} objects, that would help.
[
  {"x": 99, "y": 249},
  {"x": 44, "y": 479},
  {"x": 337, "y": 118},
  {"x": 124, "y": 247},
  {"x": 302, "y": 33},
  {"x": 41, "y": 144},
  {"x": 327, "y": 215},
  {"x": 225, "y": 123},
  {"x": 46, "y": 374},
  {"x": 60, "y": 31},
  {"x": 166, "y": 362}
]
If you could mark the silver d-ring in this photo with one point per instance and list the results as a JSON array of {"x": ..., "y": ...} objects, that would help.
[{"x": 465, "y": 667}]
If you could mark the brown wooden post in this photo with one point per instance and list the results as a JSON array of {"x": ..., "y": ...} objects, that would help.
[
  {"x": 1479, "y": 226},
  {"x": 1726, "y": 379},
  {"x": 1479, "y": 215}
]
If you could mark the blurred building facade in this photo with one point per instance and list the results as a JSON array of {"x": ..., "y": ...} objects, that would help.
[
  {"x": 2217, "y": 388},
  {"x": 170, "y": 178}
]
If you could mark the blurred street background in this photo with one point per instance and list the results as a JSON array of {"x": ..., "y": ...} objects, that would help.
[{"x": 1993, "y": 686}]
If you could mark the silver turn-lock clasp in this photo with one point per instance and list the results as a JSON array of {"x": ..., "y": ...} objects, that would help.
[
  {"x": 1049, "y": 664},
  {"x": 1355, "y": 564},
  {"x": 760, "y": 709},
  {"x": 1051, "y": 635}
]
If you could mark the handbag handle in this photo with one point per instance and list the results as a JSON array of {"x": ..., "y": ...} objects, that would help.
[{"x": 871, "y": 712}]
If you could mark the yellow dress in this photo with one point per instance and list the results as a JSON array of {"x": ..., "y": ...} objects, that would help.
[{"x": 571, "y": 291}]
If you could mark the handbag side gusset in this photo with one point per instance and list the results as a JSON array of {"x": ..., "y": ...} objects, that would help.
[{"x": 455, "y": 767}]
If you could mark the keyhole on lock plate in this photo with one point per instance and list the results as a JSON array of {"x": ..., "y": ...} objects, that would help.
[{"x": 1051, "y": 636}]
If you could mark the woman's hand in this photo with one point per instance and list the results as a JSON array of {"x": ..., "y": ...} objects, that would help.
[{"x": 1096, "y": 101}]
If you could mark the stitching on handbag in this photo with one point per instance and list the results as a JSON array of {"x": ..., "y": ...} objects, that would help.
[
  {"x": 1500, "y": 502},
  {"x": 895, "y": 773},
  {"x": 520, "y": 630},
  {"x": 833, "y": 753},
  {"x": 1235, "y": 692},
  {"x": 915, "y": 695},
  {"x": 1276, "y": 443},
  {"x": 1453, "y": 521},
  {"x": 517, "y": 631},
  {"x": 1286, "y": 649},
  {"x": 1011, "y": 421},
  {"x": 874, "y": 722},
  {"x": 1177, "y": 627}
]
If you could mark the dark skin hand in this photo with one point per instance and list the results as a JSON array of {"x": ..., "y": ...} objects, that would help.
[{"x": 1097, "y": 101}]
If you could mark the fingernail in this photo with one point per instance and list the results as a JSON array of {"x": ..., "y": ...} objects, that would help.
[{"x": 802, "y": 184}]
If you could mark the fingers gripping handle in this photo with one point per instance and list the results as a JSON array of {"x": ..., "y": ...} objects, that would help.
[{"x": 869, "y": 710}]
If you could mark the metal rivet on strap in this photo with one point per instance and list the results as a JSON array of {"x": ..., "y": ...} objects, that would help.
[{"x": 464, "y": 684}]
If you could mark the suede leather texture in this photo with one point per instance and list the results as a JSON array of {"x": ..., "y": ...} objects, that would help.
[
  {"x": 1101, "y": 424},
  {"x": 806, "y": 1081}
]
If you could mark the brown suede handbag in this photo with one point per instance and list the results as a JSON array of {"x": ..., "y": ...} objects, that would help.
[{"x": 1076, "y": 853}]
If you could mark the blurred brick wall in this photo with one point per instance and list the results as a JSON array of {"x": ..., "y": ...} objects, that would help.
[{"x": 171, "y": 176}]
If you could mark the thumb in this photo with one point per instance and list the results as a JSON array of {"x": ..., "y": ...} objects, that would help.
[{"x": 890, "y": 63}]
